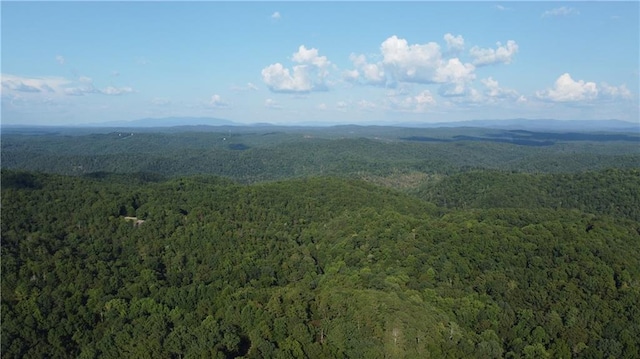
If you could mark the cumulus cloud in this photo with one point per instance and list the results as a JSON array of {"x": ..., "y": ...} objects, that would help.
[
  {"x": 82, "y": 87},
  {"x": 322, "y": 106},
  {"x": 454, "y": 43},
  {"x": 279, "y": 79},
  {"x": 493, "y": 89},
  {"x": 417, "y": 104},
  {"x": 369, "y": 73},
  {"x": 12, "y": 83},
  {"x": 367, "y": 105},
  {"x": 411, "y": 63},
  {"x": 116, "y": 91},
  {"x": 270, "y": 103},
  {"x": 57, "y": 86},
  {"x": 615, "y": 91},
  {"x": 276, "y": 15},
  {"x": 85, "y": 86},
  {"x": 503, "y": 54},
  {"x": 248, "y": 87},
  {"x": 568, "y": 90},
  {"x": 309, "y": 75},
  {"x": 20, "y": 87},
  {"x": 79, "y": 91},
  {"x": 454, "y": 75},
  {"x": 310, "y": 56},
  {"x": 60, "y": 59},
  {"x": 424, "y": 98},
  {"x": 425, "y": 64},
  {"x": 217, "y": 102},
  {"x": 400, "y": 90},
  {"x": 560, "y": 11},
  {"x": 351, "y": 75}
]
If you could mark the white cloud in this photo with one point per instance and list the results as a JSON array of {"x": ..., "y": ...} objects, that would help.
[
  {"x": 342, "y": 106},
  {"x": 495, "y": 91},
  {"x": 322, "y": 106},
  {"x": 20, "y": 87},
  {"x": 424, "y": 63},
  {"x": 400, "y": 90},
  {"x": 373, "y": 73},
  {"x": 351, "y": 75},
  {"x": 85, "y": 86},
  {"x": 116, "y": 91},
  {"x": 270, "y": 103},
  {"x": 12, "y": 83},
  {"x": 248, "y": 87},
  {"x": 568, "y": 90},
  {"x": 80, "y": 91},
  {"x": 560, "y": 11},
  {"x": 310, "y": 56},
  {"x": 52, "y": 86},
  {"x": 368, "y": 73},
  {"x": 424, "y": 98},
  {"x": 279, "y": 79},
  {"x": 217, "y": 102},
  {"x": 411, "y": 63},
  {"x": 310, "y": 75},
  {"x": 367, "y": 105},
  {"x": 60, "y": 59},
  {"x": 454, "y": 75},
  {"x": 615, "y": 91},
  {"x": 417, "y": 104},
  {"x": 276, "y": 15},
  {"x": 503, "y": 54},
  {"x": 454, "y": 43}
]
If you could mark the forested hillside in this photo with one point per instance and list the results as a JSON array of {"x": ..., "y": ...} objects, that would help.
[
  {"x": 354, "y": 152},
  {"x": 321, "y": 266},
  {"x": 614, "y": 192}
]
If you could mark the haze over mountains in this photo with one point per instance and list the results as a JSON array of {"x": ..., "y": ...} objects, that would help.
[{"x": 506, "y": 124}]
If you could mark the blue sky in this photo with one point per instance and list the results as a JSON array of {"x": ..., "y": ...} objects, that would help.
[{"x": 330, "y": 62}]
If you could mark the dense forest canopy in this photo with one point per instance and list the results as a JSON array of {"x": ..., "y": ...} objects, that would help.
[
  {"x": 298, "y": 245},
  {"x": 265, "y": 154}
]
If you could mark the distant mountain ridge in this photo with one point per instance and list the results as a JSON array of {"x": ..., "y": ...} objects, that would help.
[
  {"x": 168, "y": 122},
  {"x": 540, "y": 125},
  {"x": 508, "y": 124},
  {"x": 193, "y": 123}
]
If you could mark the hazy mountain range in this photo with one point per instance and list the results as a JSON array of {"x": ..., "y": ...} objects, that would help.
[{"x": 509, "y": 124}]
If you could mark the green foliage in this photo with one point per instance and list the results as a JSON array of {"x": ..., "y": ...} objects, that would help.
[
  {"x": 319, "y": 267},
  {"x": 614, "y": 192},
  {"x": 256, "y": 155}
]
